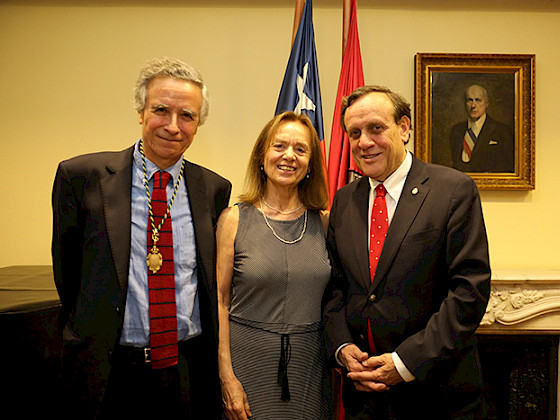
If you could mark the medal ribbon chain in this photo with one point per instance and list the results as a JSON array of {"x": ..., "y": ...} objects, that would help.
[{"x": 155, "y": 231}]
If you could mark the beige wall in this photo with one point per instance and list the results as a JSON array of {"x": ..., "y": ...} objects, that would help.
[{"x": 66, "y": 76}]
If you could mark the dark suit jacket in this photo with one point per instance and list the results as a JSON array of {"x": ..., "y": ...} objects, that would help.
[
  {"x": 430, "y": 289},
  {"x": 493, "y": 150},
  {"x": 91, "y": 250}
]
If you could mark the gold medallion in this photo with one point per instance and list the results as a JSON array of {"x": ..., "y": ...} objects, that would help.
[{"x": 154, "y": 260}]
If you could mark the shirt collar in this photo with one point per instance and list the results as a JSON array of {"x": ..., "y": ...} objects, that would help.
[
  {"x": 477, "y": 125},
  {"x": 152, "y": 168},
  {"x": 394, "y": 183}
]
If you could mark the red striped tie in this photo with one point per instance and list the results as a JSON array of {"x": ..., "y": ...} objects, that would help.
[
  {"x": 468, "y": 144},
  {"x": 378, "y": 231},
  {"x": 161, "y": 285}
]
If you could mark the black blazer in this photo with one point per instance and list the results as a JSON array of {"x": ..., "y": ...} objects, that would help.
[
  {"x": 91, "y": 250},
  {"x": 432, "y": 282},
  {"x": 493, "y": 150}
]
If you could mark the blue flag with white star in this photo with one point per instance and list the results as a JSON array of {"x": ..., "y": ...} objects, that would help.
[{"x": 300, "y": 89}]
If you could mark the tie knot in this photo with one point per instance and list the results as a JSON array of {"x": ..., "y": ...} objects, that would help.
[
  {"x": 161, "y": 179},
  {"x": 380, "y": 190},
  {"x": 471, "y": 133}
]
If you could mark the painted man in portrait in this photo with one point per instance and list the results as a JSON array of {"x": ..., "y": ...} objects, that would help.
[{"x": 481, "y": 144}]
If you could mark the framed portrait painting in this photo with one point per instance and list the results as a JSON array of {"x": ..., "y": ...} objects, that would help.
[{"x": 476, "y": 113}]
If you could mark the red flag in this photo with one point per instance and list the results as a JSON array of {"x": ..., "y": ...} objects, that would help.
[
  {"x": 341, "y": 162},
  {"x": 351, "y": 77}
]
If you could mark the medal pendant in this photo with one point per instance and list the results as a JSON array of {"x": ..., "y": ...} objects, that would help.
[{"x": 154, "y": 260}]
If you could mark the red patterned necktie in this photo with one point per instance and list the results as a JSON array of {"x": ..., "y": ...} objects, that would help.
[
  {"x": 378, "y": 231},
  {"x": 161, "y": 284}
]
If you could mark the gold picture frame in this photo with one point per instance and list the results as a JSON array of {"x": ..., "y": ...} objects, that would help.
[{"x": 444, "y": 85}]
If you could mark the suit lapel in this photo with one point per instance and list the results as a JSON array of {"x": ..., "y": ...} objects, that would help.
[
  {"x": 116, "y": 186},
  {"x": 360, "y": 229},
  {"x": 200, "y": 212},
  {"x": 481, "y": 147},
  {"x": 412, "y": 197}
]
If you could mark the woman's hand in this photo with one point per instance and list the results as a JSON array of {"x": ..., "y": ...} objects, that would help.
[{"x": 236, "y": 406}]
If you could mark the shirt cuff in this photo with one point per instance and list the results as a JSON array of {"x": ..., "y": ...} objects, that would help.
[
  {"x": 338, "y": 351},
  {"x": 401, "y": 368}
]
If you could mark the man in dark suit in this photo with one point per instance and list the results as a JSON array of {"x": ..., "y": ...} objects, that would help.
[
  {"x": 103, "y": 230},
  {"x": 481, "y": 144},
  {"x": 404, "y": 331}
]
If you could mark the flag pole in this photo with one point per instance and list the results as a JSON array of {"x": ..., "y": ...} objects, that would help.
[
  {"x": 345, "y": 23},
  {"x": 297, "y": 18}
]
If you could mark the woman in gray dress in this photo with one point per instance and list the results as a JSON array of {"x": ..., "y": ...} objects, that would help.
[{"x": 272, "y": 269}]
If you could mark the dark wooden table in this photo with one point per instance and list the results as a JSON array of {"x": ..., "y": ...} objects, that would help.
[{"x": 31, "y": 341}]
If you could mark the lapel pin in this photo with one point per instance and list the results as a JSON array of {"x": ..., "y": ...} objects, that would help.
[{"x": 414, "y": 191}]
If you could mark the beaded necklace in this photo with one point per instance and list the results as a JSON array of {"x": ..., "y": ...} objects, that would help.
[
  {"x": 276, "y": 235},
  {"x": 280, "y": 211}
]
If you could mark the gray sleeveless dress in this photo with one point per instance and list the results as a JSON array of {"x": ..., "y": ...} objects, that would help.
[{"x": 276, "y": 339}]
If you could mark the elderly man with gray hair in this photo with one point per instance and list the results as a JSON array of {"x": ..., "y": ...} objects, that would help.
[
  {"x": 481, "y": 144},
  {"x": 134, "y": 263}
]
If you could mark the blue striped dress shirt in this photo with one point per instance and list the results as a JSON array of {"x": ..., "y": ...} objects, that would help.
[{"x": 136, "y": 328}]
